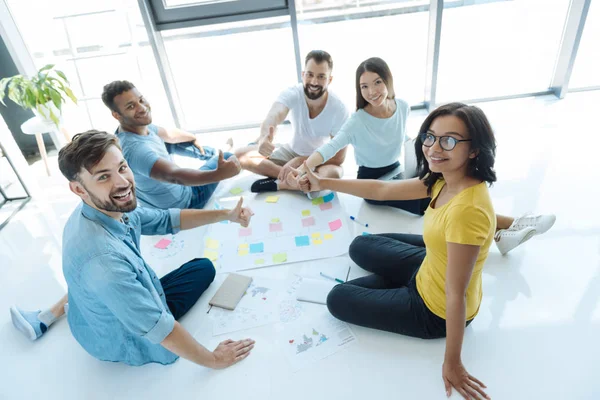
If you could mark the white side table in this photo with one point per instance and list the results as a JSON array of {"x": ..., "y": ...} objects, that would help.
[{"x": 37, "y": 126}]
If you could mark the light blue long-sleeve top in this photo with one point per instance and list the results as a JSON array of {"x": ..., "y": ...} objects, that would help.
[{"x": 377, "y": 142}]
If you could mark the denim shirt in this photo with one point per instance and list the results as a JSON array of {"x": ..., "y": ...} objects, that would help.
[{"x": 117, "y": 306}]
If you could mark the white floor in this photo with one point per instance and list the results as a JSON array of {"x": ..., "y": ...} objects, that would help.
[{"x": 536, "y": 336}]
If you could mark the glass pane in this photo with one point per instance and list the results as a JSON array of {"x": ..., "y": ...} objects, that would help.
[
  {"x": 499, "y": 48},
  {"x": 586, "y": 71},
  {"x": 231, "y": 74},
  {"x": 352, "y": 31},
  {"x": 175, "y": 3}
]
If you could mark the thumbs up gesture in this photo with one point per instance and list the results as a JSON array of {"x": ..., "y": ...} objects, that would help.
[
  {"x": 265, "y": 145},
  {"x": 240, "y": 215},
  {"x": 228, "y": 168}
]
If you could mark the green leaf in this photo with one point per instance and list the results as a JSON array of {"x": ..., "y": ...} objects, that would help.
[
  {"x": 69, "y": 93},
  {"x": 46, "y": 67},
  {"x": 54, "y": 119},
  {"x": 62, "y": 75},
  {"x": 56, "y": 98}
]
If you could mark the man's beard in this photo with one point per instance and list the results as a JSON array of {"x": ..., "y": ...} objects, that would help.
[
  {"x": 111, "y": 206},
  {"x": 314, "y": 95}
]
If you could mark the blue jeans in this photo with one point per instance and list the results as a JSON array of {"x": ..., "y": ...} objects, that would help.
[
  {"x": 200, "y": 194},
  {"x": 184, "y": 286}
]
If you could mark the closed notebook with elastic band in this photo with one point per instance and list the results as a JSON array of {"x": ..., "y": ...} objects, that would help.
[{"x": 231, "y": 291}]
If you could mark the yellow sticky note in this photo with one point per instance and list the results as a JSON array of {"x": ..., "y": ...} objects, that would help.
[
  {"x": 211, "y": 255},
  {"x": 306, "y": 213},
  {"x": 274, "y": 220},
  {"x": 236, "y": 191},
  {"x": 243, "y": 252},
  {"x": 272, "y": 199},
  {"x": 212, "y": 244},
  {"x": 328, "y": 236},
  {"x": 279, "y": 257},
  {"x": 243, "y": 246},
  {"x": 260, "y": 261},
  {"x": 317, "y": 241},
  {"x": 316, "y": 236}
]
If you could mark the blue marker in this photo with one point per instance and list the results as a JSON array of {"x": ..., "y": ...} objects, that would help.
[
  {"x": 357, "y": 221},
  {"x": 331, "y": 277}
]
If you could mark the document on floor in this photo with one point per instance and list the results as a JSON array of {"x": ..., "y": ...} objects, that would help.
[
  {"x": 290, "y": 230},
  {"x": 308, "y": 340}
]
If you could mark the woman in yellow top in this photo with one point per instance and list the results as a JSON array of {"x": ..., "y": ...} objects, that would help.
[{"x": 428, "y": 286}]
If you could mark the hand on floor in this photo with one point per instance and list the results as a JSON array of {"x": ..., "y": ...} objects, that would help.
[
  {"x": 456, "y": 376},
  {"x": 229, "y": 352}
]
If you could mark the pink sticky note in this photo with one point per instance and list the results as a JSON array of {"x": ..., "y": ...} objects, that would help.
[
  {"x": 162, "y": 244},
  {"x": 310, "y": 221},
  {"x": 326, "y": 206},
  {"x": 276, "y": 227},
  {"x": 335, "y": 225},
  {"x": 245, "y": 231}
]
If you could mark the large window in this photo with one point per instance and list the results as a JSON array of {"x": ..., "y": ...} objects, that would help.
[
  {"x": 499, "y": 48},
  {"x": 586, "y": 71},
  {"x": 230, "y": 74},
  {"x": 93, "y": 43},
  {"x": 352, "y": 31}
]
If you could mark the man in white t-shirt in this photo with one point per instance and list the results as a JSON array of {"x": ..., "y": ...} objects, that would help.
[{"x": 316, "y": 115}]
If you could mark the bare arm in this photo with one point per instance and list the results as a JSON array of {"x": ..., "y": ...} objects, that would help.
[
  {"x": 175, "y": 135},
  {"x": 166, "y": 171},
  {"x": 180, "y": 342},
  {"x": 276, "y": 116},
  {"x": 338, "y": 159},
  {"x": 193, "y": 218}
]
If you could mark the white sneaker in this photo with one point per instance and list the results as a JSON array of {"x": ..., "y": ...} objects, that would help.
[
  {"x": 540, "y": 222},
  {"x": 507, "y": 239}
]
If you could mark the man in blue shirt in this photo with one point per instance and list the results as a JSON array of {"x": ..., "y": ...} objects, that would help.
[
  {"x": 148, "y": 148},
  {"x": 118, "y": 309}
]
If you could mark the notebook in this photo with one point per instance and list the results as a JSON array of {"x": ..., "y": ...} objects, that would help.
[
  {"x": 231, "y": 291},
  {"x": 314, "y": 290}
]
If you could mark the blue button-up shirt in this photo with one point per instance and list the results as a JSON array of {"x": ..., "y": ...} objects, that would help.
[{"x": 117, "y": 306}]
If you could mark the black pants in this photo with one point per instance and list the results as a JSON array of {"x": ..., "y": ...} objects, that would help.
[
  {"x": 414, "y": 206},
  {"x": 184, "y": 286},
  {"x": 387, "y": 300}
]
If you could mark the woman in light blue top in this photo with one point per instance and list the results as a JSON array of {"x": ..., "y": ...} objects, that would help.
[{"x": 376, "y": 130}]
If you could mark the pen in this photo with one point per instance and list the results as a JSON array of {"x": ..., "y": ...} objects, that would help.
[
  {"x": 357, "y": 221},
  {"x": 331, "y": 277}
]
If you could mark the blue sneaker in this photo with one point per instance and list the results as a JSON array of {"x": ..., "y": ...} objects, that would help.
[{"x": 28, "y": 323}]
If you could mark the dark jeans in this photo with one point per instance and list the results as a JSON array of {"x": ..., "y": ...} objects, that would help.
[
  {"x": 200, "y": 194},
  {"x": 387, "y": 300},
  {"x": 184, "y": 286},
  {"x": 414, "y": 206}
]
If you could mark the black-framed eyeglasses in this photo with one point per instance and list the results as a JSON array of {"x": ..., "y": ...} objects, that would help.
[{"x": 447, "y": 143}]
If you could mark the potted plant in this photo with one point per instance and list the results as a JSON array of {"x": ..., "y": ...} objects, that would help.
[{"x": 44, "y": 93}]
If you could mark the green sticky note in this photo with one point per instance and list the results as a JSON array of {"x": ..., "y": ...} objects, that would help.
[
  {"x": 212, "y": 243},
  {"x": 260, "y": 261},
  {"x": 235, "y": 191},
  {"x": 318, "y": 201},
  {"x": 306, "y": 213},
  {"x": 272, "y": 199},
  {"x": 279, "y": 257},
  {"x": 211, "y": 255},
  {"x": 274, "y": 220}
]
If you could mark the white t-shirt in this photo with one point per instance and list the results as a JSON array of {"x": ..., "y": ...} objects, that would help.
[{"x": 310, "y": 134}]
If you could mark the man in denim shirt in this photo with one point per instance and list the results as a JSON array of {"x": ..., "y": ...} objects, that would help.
[{"x": 118, "y": 309}]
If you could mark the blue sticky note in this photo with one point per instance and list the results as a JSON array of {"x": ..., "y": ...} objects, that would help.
[
  {"x": 257, "y": 248},
  {"x": 302, "y": 241},
  {"x": 365, "y": 233},
  {"x": 328, "y": 198}
]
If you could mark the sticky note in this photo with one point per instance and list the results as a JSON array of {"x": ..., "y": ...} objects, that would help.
[
  {"x": 272, "y": 199},
  {"x": 302, "y": 241},
  {"x": 235, "y": 191},
  {"x": 245, "y": 231},
  {"x": 279, "y": 257},
  {"x": 257, "y": 248},
  {"x": 318, "y": 201},
  {"x": 162, "y": 244},
  {"x": 305, "y": 213},
  {"x": 243, "y": 252},
  {"x": 365, "y": 233},
  {"x": 310, "y": 221},
  {"x": 275, "y": 220},
  {"x": 316, "y": 236},
  {"x": 326, "y": 206},
  {"x": 278, "y": 227},
  {"x": 335, "y": 225},
  {"x": 317, "y": 241},
  {"x": 212, "y": 244},
  {"x": 260, "y": 261},
  {"x": 328, "y": 197},
  {"x": 328, "y": 236},
  {"x": 211, "y": 255},
  {"x": 243, "y": 246}
]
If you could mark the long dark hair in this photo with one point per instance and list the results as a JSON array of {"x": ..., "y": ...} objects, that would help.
[
  {"x": 378, "y": 66},
  {"x": 482, "y": 142}
]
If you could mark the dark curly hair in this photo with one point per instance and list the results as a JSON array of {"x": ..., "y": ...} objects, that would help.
[
  {"x": 112, "y": 90},
  {"x": 482, "y": 141}
]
